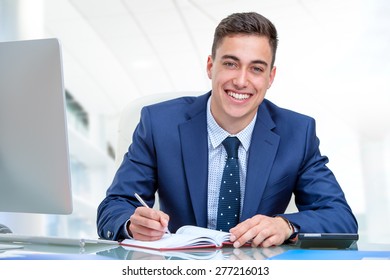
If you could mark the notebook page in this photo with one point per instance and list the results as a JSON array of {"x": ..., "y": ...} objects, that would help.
[
  {"x": 219, "y": 236},
  {"x": 172, "y": 241}
]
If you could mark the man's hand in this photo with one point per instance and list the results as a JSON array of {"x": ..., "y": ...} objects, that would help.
[
  {"x": 261, "y": 230},
  {"x": 147, "y": 224}
]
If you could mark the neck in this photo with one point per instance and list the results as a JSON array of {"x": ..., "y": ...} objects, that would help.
[{"x": 233, "y": 125}]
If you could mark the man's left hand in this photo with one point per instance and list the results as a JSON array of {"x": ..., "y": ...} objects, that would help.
[{"x": 261, "y": 231}]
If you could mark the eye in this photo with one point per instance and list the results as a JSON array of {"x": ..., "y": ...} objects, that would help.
[
  {"x": 229, "y": 64},
  {"x": 257, "y": 69}
]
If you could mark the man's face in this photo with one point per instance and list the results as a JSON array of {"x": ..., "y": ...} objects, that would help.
[{"x": 241, "y": 74}]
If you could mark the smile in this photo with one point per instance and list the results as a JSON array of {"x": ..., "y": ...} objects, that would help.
[{"x": 238, "y": 96}]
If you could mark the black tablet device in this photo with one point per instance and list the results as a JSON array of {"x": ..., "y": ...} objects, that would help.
[{"x": 327, "y": 240}]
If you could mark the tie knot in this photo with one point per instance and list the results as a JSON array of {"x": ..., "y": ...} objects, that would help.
[{"x": 231, "y": 145}]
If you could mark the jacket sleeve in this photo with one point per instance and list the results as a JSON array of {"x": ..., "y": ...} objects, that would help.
[{"x": 137, "y": 173}]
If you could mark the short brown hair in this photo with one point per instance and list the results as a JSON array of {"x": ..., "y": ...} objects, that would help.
[{"x": 246, "y": 23}]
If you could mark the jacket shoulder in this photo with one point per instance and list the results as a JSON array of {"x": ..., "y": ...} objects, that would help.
[
  {"x": 279, "y": 114},
  {"x": 185, "y": 106}
]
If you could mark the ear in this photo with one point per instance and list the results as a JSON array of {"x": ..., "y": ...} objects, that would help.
[
  {"x": 209, "y": 66},
  {"x": 272, "y": 76}
]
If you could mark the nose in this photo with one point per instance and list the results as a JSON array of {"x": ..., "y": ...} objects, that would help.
[{"x": 241, "y": 79}]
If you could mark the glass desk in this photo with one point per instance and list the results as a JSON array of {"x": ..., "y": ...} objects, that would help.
[{"x": 116, "y": 252}]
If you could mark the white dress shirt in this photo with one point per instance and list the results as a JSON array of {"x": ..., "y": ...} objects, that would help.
[{"x": 217, "y": 157}]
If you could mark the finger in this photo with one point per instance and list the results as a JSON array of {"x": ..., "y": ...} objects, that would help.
[
  {"x": 247, "y": 237},
  {"x": 149, "y": 213},
  {"x": 262, "y": 235},
  {"x": 246, "y": 225},
  {"x": 275, "y": 232},
  {"x": 245, "y": 231},
  {"x": 145, "y": 230},
  {"x": 145, "y": 222},
  {"x": 148, "y": 224},
  {"x": 237, "y": 231},
  {"x": 164, "y": 219},
  {"x": 273, "y": 240},
  {"x": 151, "y": 218},
  {"x": 155, "y": 215},
  {"x": 140, "y": 232},
  {"x": 147, "y": 237},
  {"x": 269, "y": 234}
]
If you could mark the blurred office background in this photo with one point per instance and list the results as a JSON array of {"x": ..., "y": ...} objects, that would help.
[{"x": 333, "y": 63}]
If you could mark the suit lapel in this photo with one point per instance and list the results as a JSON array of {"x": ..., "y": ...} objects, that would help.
[
  {"x": 193, "y": 135},
  {"x": 262, "y": 152}
]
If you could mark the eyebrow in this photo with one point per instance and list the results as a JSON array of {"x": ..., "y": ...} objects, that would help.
[{"x": 235, "y": 58}]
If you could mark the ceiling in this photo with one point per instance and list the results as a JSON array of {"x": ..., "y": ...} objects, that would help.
[
  {"x": 117, "y": 50},
  {"x": 332, "y": 57}
]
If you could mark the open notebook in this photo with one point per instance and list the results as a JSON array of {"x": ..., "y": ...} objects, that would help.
[{"x": 186, "y": 237}]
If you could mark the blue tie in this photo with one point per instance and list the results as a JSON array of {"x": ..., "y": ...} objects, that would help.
[{"x": 229, "y": 194}]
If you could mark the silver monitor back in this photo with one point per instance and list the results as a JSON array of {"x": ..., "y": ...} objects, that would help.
[{"x": 34, "y": 158}]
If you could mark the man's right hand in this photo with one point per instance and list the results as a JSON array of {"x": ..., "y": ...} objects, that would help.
[{"x": 148, "y": 224}]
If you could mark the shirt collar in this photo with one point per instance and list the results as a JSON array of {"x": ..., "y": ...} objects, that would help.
[{"x": 217, "y": 134}]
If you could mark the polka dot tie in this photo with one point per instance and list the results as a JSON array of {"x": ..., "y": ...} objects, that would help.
[{"x": 229, "y": 194}]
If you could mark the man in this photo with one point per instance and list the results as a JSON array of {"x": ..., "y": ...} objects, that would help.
[{"x": 178, "y": 150}]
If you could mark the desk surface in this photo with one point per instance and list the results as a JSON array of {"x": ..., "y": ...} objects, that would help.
[{"x": 101, "y": 251}]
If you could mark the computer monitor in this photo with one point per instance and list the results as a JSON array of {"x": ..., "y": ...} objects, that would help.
[{"x": 34, "y": 158}]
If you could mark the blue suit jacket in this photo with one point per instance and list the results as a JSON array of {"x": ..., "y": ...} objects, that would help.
[{"x": 169, "y": 154}]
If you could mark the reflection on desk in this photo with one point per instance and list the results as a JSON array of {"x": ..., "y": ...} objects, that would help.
[
  {"x": 29, "y": 255},
  {"x": 313, "y": 254},
  {"x": 109, "y": 252},
  {"x": 226, "y": 253},
  {"x": 284, "y": 252},
  {"x": 27, "y": 251}
]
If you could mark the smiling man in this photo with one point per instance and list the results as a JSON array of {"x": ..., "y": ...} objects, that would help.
[
  {"x": 241, "y": 72},
  {"x": 229, "y": 159}
]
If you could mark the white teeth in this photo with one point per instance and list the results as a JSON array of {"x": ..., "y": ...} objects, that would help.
[{"x": 240, "y": 96}]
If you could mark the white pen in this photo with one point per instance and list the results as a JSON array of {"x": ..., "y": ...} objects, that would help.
[{"x": 147, "y": 206}]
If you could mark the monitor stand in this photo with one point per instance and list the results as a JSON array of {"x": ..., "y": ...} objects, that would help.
[
  {"x": 4, "y": 247},
  {"x": 4, "y": 229}
]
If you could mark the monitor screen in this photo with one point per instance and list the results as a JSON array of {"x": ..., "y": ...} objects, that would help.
[{"x": 34, "y": 158}]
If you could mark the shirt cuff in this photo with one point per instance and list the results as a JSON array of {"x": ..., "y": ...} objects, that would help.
[{"x": 125, "y": 231}]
